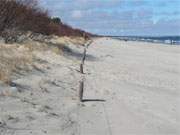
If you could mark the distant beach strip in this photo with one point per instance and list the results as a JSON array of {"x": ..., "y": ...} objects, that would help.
[{"x": 173, "y": 40}]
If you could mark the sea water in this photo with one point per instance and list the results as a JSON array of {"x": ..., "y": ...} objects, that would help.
[{"x": 173, "y": 40}]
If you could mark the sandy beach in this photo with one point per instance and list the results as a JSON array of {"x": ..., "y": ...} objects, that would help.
[{"x": 138, "y": 81}]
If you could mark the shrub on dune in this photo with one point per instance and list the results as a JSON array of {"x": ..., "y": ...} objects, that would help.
[{"x": 25, "y": 15}]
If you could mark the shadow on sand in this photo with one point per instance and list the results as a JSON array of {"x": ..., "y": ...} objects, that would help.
[{"x": 93, "y": 100}]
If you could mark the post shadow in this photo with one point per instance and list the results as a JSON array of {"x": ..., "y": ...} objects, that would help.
[{"x": 93, "y": 100}]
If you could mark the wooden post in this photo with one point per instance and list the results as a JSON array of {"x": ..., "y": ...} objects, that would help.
[
  {"x": 84, "y": 56},
  {"x": 81, "y": 84},
  {"x": 81, "y": 69},
  {"x": 81, "y": 90},
  {"x": 89, "y": 43}
]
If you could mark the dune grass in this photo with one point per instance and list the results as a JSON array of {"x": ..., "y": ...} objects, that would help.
[
  {"x": 16, "y": 57},
  {"x": 13, "y": 57}
]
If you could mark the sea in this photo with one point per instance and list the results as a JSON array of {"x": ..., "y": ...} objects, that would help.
[{"x": 172, "y": 40}]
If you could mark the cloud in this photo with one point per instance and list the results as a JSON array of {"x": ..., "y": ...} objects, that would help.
[
  {"x": 117, "y": 17},
  {"x": 77, "y": 14}
]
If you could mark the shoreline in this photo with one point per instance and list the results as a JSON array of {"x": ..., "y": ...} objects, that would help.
[{"x": 153, "y": 42}]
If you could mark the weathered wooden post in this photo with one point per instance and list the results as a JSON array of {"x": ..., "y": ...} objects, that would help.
[
  {"x": 81, "y": 90},
  {"x": 84, "y": 56},
  {"x": 81, "y": 69},
  {"x": 81, "y": 84}
]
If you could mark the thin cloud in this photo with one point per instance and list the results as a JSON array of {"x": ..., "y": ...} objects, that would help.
[
  {"x": 77, "y": 14},
  {"x": 118, "y": 17}
]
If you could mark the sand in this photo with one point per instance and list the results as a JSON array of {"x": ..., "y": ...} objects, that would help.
[
  {"x": 44, "y": 100},
  {"x": 138, "y": 81}
]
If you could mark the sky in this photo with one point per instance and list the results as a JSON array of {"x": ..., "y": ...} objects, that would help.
[{"x": 119, "y": 17}]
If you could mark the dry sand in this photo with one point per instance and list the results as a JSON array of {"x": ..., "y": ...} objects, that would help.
[
  {"x": 138, "y": 81},
  {"x": 141, "y": 85}
]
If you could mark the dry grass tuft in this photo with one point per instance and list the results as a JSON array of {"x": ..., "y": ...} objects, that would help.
[
  {"x": 13, "y": 57},
  {"x": 17, "y": 57},
  {"x": 71, "y": 40}
]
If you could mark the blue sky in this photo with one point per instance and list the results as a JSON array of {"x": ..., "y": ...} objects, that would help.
[{"x": 119, "y": 17}]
